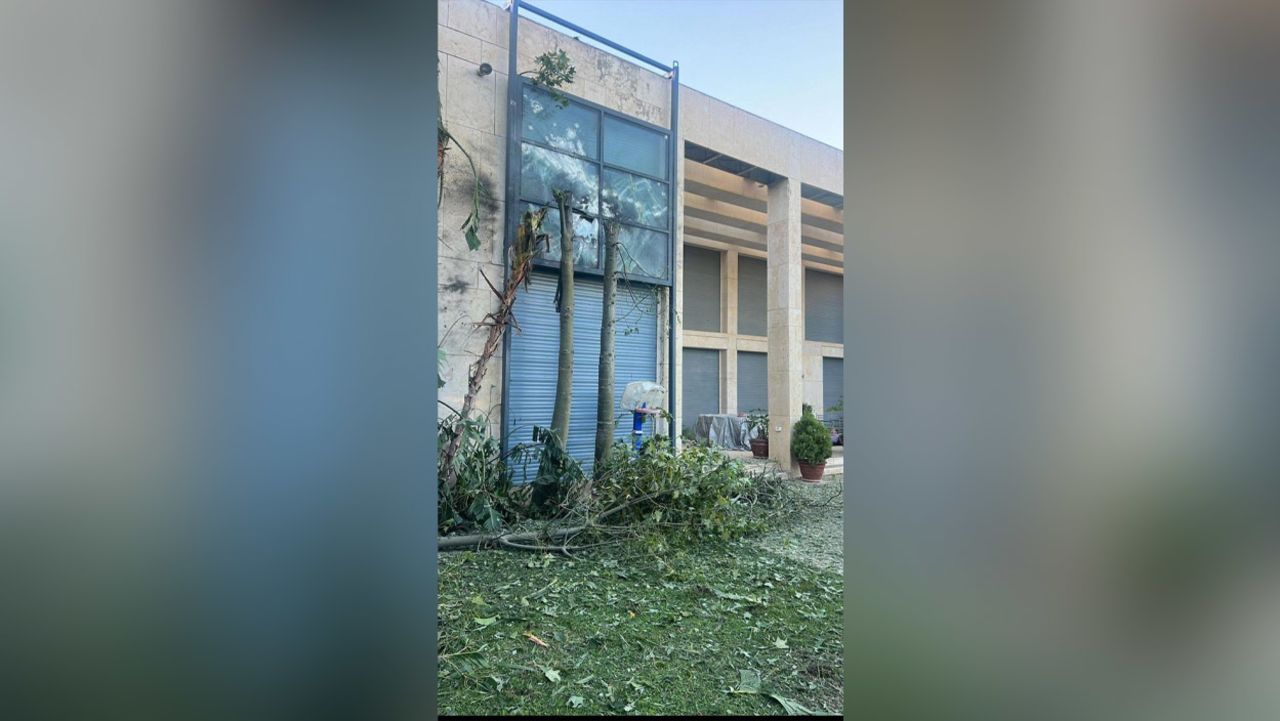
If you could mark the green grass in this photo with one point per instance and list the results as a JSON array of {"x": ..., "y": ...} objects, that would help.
[{"x": 682, "y": 632}]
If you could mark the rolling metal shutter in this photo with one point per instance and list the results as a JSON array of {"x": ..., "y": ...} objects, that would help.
[
  {"x": 701, "y": 288},
  {"x": 700, "y": 385},
  {"x": 832, "y": 387},
  {"x": 823, "y": 306},
  {"x": 532, "y": 387},
  {"x": 753, "y": 381},
  {"x": 753, "y": 282}
]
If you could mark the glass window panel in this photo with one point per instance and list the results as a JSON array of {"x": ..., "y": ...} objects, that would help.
[
  {"x": 575, "y": 129},
  {"x": 634, "y": 199},
  {"x": 542, "y": 171},
  {"x": 586, "y": 243},
  {"x": 644, "y": 252},
  {"x": 631, "y": 146}
]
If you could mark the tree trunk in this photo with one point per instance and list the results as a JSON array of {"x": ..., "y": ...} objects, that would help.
[
  {"x": 564, "y": 304},
  {"x": 481, "y": 540},
  {"x": 604, "y": 393}
]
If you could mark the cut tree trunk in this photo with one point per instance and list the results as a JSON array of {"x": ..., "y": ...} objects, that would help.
[
  {"x": 515, "y": 540},
  {"x": 604, "y": 391},
  {"x": 481, "y": 540},
  {"x": 564, "y": 304}
]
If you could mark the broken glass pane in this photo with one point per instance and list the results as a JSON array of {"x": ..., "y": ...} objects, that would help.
[
  {"x": 543, "y": 171},
  {"x": 574, "y": 129},
  {"x": 634, "y": 199}
]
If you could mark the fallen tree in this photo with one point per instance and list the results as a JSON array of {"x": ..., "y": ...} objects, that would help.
[
  {"x": 655, "y": 495},
  {"x": 513, "y": 539},
  {"x": 509, "y": 539}
]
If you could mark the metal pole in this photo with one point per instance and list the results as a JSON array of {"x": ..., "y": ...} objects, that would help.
[
  {"x": 583, "y": 31},
  {"x": 512, "y": 212},
  {"x": 671, "y": 294}
]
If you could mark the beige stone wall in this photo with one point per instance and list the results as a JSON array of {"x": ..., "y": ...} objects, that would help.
[{"x": 474, "y": 111}]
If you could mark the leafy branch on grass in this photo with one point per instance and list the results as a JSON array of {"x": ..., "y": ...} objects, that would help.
[{"x": 653, "y": 497}]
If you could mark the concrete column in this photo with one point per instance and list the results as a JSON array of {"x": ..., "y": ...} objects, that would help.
[
  {"x": 664, "y": 336},
  {"x": 785, "y": 316},
  {"x": 729, "y": 324}
]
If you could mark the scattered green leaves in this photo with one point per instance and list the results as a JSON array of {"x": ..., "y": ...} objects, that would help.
[{"x": 683, "y": 644}]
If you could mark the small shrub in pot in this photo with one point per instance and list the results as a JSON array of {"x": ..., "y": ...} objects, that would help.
[{"x": 810, "y": 445}]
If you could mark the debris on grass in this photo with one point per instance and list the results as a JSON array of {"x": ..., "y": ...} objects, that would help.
[
  {"x": 685, "y": 638},
  {"x": 814, "y": 536},
  {"x": 793, "y": 708}
]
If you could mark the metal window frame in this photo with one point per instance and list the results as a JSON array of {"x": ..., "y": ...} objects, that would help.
[
  {"x": 600, "y": 161},
  {"x": 600, "y": 165},
  {"x": 515, "y": 133}
]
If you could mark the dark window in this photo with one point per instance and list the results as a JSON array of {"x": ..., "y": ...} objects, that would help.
[
  {"x": 752, "y": 290},
  {"x": 753, "y": 382},
  {"x": 823, "y": 306},
  {"x": 700, "y": 389},
  {"x": 701, "y": 288},
  {"x": 630, "y": 146},
  {"x": 613, "y": 166},
  {"x": 833, "y": 390}
]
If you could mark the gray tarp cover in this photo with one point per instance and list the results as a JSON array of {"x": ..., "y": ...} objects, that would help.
[{"x": 722, "y": 431}]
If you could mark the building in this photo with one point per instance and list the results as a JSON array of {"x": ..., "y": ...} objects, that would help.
[{"x": 746, "y": 224}]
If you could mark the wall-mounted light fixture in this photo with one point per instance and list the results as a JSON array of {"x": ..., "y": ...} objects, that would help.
[{"x": 485, "y": 69}]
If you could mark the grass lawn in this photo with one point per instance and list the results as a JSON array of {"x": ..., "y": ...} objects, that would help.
[{"x": 683, "y": 632}]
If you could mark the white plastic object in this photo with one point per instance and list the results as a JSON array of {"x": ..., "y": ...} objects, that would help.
[{"x": 643, "y": 393}]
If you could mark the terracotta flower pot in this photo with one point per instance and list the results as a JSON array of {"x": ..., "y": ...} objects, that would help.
[
  {"x": 812, "y": 472},
  {"x": 760, "y": 447}
]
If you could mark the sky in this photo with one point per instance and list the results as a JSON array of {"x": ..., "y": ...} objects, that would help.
[{"x": 780, "y": 59}]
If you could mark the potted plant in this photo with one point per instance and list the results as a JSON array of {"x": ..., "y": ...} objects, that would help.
[
  {"x": 837, "y": 423},
  {"x": 810, "y": 445},
  {"x": 758, "y": 430}
]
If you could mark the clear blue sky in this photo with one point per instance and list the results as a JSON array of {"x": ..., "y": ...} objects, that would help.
[{"x": 780, "y": 59}]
